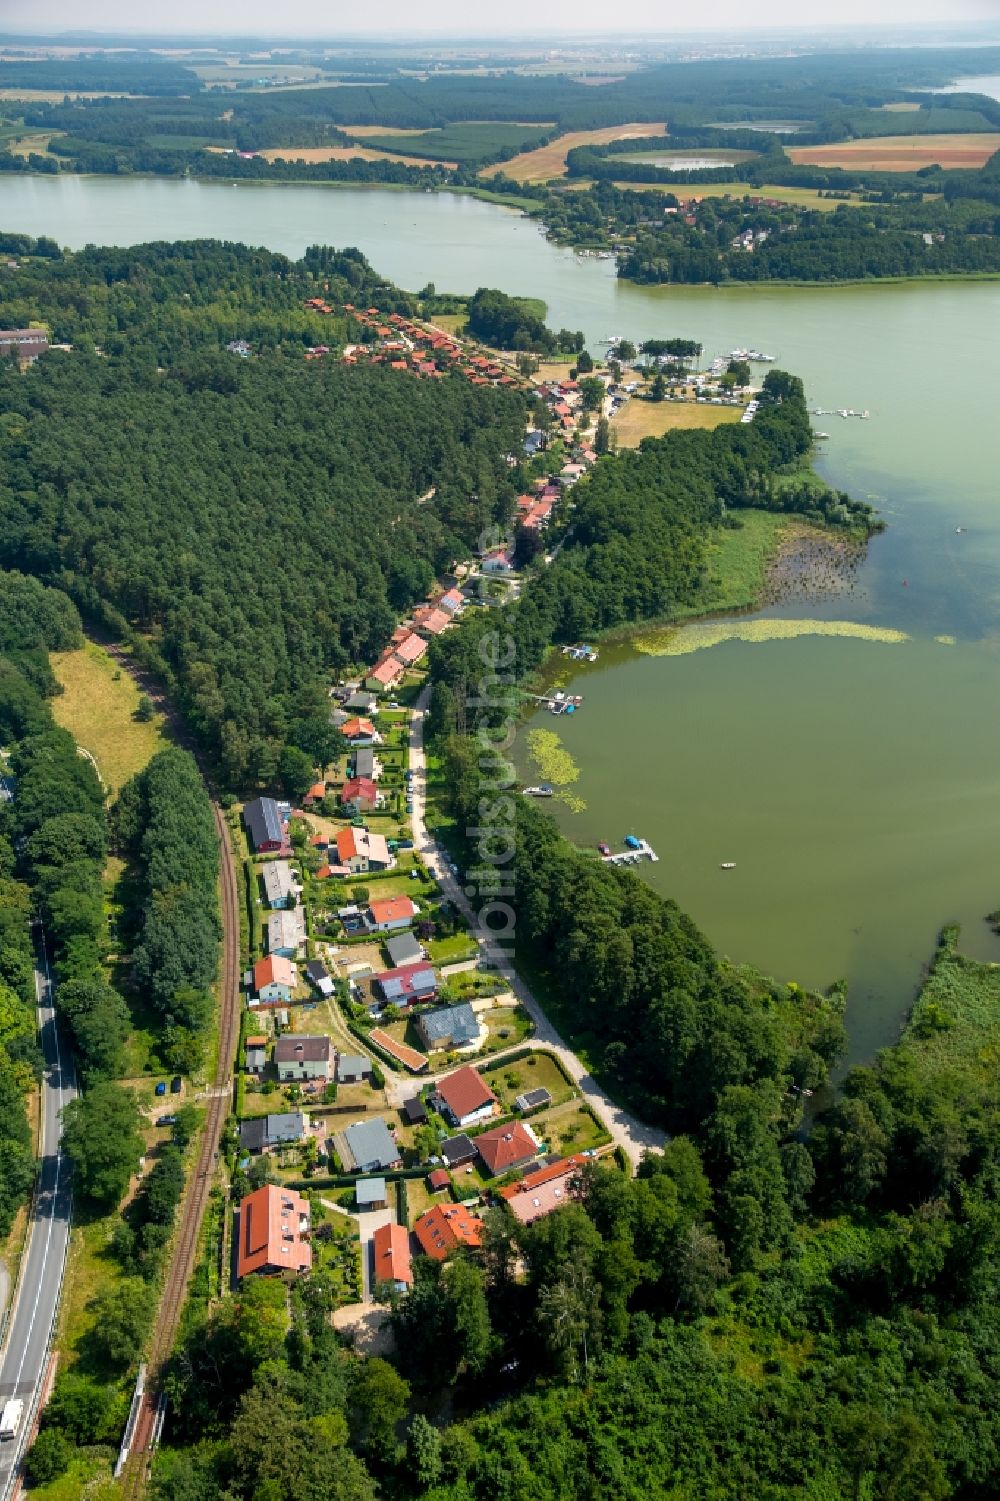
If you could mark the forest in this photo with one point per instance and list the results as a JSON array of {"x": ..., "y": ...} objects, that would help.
[
  {"x": 763, "y": 1310},
  {"x": 267, "y": 531}
]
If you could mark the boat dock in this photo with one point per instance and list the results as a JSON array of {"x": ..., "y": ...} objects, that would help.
[
  {"x": 642, "y": 850},
  {"x": 558, "y": 702}
]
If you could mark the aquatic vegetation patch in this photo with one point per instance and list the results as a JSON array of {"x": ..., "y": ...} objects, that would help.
[
  {"x": 553, "y": 760},
  {"x": 555, "y": 765},
  {"x": 678, "y": 641},
  {"x": 946, "y": 640}
]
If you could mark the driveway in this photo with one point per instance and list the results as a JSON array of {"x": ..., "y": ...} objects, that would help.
[
  {"x": 368, "y": 1222},
  {"x": 627, "y": 1131}
]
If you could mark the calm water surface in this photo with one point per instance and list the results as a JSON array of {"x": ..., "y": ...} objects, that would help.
[{"x": 856, "y": 785}]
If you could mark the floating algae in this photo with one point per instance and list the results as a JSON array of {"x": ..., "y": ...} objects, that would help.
[
  {"x": 678, "y": 641},
  {"x": 555, "y": 765},
  {"x": 572, "y": 800},
  {"x": 946, "y": 640}
]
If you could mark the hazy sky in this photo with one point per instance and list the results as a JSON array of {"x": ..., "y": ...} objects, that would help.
[{"x": 459, "y": 17}]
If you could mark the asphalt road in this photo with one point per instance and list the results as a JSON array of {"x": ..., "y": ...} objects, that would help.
[
  {"x": 36, "y": 1297},
  {"x": 635, "y": 1137}
]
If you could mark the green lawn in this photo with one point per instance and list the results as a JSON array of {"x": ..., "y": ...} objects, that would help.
[
  {"x": 738, "y": 561},
  {"x": 540, "y": 1071},
  {"x": 508, "y": 1026},
  {"x": 451, "y": 950}
]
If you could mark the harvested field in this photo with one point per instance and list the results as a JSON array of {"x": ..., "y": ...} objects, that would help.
[
  {"x": 901, "y": 153},
  {"x": 362, "y": 131},
  {"x": 344, "y": 154},
  {"x": 34, "y": 145},
  {"x": 550, "y": 161},
  {"x": 640, "y": 419}
]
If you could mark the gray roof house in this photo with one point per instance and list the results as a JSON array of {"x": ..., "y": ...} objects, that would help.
[
  {"x": 367, "y": 1147},
  {"x": 352, "y": 1068},
  {"x": 264, "y": 1132},
  {"x": 279, "y": 882},
  {"x": 286, "y": 932},
  {"x": 370, "y": 1193},
  {"x": 362, "y": 701},
  {"x": 532, "y": 1099},
  {"x": 263, "y": 822},
  {"x": 298, "y": 1057},
  {"x": 403, "y": 949},
  {"x": 319, "y": 976},
  {"x": 458, "y": 1150},
  {"x": 451, "y": 1027}
]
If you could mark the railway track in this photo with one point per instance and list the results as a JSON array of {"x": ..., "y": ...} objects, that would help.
[
  {"x": 193, "y": 1205},
  {"x": 192, "y": 1209}
]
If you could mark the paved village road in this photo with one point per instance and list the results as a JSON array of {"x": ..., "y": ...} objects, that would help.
[
  {"x": 626, "y": 1130},
  {"x": 36, "y": 1296}
]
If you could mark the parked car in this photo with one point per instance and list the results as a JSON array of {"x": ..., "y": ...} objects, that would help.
[
  {"x": 175, "y": 1084},
  {"x": 166, "y": 1120},
  {"x": 161, "y": 1088}
]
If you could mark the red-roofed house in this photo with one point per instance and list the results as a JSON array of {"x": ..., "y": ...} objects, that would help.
[
  {"x": 446, "y": 1227},
  {"x": 273, "y": 1222},
  {"x": 434, "y": 622},
  {"x": 391, "y": 1254},
  {"x": 361, "y": 732},
  {"x": 548, "y": 1188},
  {"x": 316, "y": 794},
  {"x": 274, "y": 980},
  {"x": 411, "y": 650},
  {"x": 392, "y": 913},
  {"x": 385, "y": 674},
  {"x": 497, "y": 561},
  {"x": 507, "y": 1147},
  {"x": 360, "y": 795},
  {"x": 466, "y": 1097},
  {"x": 452, "y": 601},
  {"x": 360, "y": 851},
  {"x": 438, "y": 1179}
]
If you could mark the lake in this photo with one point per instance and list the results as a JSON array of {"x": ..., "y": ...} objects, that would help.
[{"x": 855, "y": 784}]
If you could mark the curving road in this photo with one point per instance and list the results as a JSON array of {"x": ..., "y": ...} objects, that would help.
[
  {"x": 627, "y": 1131},
  {"x": 25, "y": 1355}
]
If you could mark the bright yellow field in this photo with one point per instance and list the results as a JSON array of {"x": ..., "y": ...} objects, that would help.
[
  {"x": 550, "y": 161},
  {"x": 801, "y": 197},
  {"x": 900, "y": 108},
  {"x": 388, "y": 130},
  {"x": 343, "y": 154},
  {"x": 902, "y": 153},
  {"x": 640, "y": 419},
  {"x": 98, "y": 712}
]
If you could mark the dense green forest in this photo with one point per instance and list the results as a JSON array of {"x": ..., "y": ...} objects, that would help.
[
  {"x": 266, "y": 531},
  {"x": 510, "y": 323},
  {"x": 759, "y": 1312}
]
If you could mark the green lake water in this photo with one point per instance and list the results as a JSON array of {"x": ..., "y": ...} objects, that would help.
[{"x": 855, "y": 784}]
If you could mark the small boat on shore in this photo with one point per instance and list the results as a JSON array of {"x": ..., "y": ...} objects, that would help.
[{"x": 542, "y": 790}]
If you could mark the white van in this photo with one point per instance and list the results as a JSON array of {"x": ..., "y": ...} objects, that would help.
[{"x": 10, "y": 1418}]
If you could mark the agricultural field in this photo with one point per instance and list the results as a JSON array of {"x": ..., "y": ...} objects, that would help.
[
  {"x": 35, "y": 144},
  {"x": 550, "y": 161},
  {"x": 98, "y": 705},
  {"x": 801, "y": 197},
  {"x": 345, "y": 154},
  {"x": 640, "y": 419},
  {"x": 467, "y": 141},
  {"x": 901, "y": 153}
]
